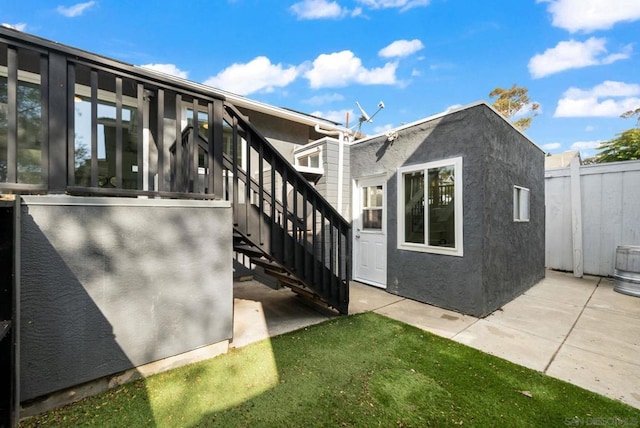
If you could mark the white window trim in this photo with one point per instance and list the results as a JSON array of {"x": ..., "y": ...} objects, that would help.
[
  {"x": 309, "y": 152},
  {"x": 457, "y": 250},
  {"x": 519, "y": 193}
]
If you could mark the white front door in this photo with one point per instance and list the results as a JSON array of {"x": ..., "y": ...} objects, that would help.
[{"x": 369, "y": 231}]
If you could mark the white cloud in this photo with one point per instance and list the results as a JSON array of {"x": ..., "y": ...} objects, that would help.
[
  {"x": 587, "y": 149},
  {"x": 582, "y": 145},
  {"x": 259, "y": 74},
  {"x": 339, "y": 116},
  {"x": 382, "y": 128},
  {"x": 21, "y": 26},
  {"x": 551, "y": 146},
  {"x": 591, "y": 15},
  {"x": 171, "y": 69},
  {"x": 574, "y": 54},
  {"x": 319, "y": 9},
  {"x": 326, "y": 9},
  {"x": 343, "y": 68},
  {"x": 608, "y": 99},
  {"x": 416, "y": 73},
  {"x": 324, "y": 99},
  {"x": 403, "y": 5},
  {"x": 452, "y": 108},
  {"x": 401, "y": 48},
  {"x": 75, "y": 10},
  {"x": 590, "y": 128}
]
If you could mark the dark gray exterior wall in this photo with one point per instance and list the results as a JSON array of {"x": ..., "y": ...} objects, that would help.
[
  {"x": 109, "y": 284},
  {"x": 493, "y": 154},
  {"x": 513, "y": 251}
]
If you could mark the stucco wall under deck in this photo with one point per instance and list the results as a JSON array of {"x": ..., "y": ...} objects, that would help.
[{"x": 109, "y": 284}]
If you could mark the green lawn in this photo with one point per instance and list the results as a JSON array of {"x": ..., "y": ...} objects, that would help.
[{"x": 362, "y": 370}]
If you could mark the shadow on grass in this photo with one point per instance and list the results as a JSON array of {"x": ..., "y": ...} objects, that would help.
[
  {"x": 362, "y": 370},
  {"x": 369, "y": 370}
]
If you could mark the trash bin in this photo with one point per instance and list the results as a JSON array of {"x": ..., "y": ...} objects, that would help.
[{"x": 626, "y": 274}]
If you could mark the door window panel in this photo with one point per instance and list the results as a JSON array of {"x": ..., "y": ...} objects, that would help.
[{"x": 372, "y": 201}]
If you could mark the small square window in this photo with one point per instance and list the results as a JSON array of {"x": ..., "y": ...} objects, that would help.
[
  {"x": 520, "y": 203},
  {"x": 309, "y": 158}
]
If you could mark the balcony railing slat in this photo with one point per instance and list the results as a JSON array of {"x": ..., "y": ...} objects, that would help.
[
  {"x": 57, "y": 123},
  {"x": 70, "y": 121},
  {"x": 179, "y": 186},
  {"x": 261, "y": 194},
  {"x": 160, "y": 140},
  {"x": 247, "y": 187},
  {"x": 142, "y": 170},
  {"x": 12, "y": 122},
  {"x": 285, "y": 218},
  {"x": 273, "y": 205},
  {"x": 94, "y": 128},
  {"x": 234, "y": 156},
  {"x": 193, "y": 151},
  {"x": 44, "y": 118},
  {"x": 119, "y": 166},
  {"x": 216, "y": 134}
]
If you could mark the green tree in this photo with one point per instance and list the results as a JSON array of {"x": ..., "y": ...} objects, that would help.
[
  {"x": 626, "y": 146},
  {"x": 510, "y": 102}
]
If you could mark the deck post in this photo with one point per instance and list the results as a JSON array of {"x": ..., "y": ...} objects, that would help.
[
  {"x": 216, "y": 135},
  {"x": 57, "y": 123}
]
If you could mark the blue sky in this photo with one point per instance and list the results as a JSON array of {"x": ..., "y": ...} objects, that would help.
[{"x": 579, "y": 58}]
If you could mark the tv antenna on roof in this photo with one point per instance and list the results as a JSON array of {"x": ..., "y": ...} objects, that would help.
[{"x": 365, "y": 117}]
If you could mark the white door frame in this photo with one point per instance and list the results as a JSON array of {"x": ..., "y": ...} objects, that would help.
[{"x": 376, "y": 179}]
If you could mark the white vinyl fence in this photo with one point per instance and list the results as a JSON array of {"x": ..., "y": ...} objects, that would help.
[{"x": 590, "y": 210}]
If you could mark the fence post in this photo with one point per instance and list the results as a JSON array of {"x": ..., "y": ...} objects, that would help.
[{"x": 576, "y": 219}]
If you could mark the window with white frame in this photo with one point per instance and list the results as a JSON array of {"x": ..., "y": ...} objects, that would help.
[
  {"x": 430, "y": 207},
  {"x": 309, "y": 159},
  {"x": 520, "y": 203}
]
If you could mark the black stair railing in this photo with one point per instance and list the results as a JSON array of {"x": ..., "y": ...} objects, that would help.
[{"x": 280, "y": 213}]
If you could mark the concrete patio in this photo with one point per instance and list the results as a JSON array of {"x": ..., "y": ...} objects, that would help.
[{"x": 575, "y": 329}]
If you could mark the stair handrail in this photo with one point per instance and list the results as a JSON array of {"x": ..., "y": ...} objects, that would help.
[{"x": 284, "y": 161}]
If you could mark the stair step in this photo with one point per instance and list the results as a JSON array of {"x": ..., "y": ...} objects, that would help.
[
  {"x": 285, "y": 278},
  {"x": 248, "y": 250},
  {"x": 267, "y": 264}
]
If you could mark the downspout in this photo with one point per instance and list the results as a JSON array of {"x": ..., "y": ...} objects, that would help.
[{"x": 340, "y": 135}]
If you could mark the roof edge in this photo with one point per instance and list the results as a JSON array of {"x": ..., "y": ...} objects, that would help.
[{"x": 446, "y": 113}]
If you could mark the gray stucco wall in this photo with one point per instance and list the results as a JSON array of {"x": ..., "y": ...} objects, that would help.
[
  {"x": 469, "y": 284},
  {"x": 109, "y": 284},
  {"x": 513, "y": 251}
]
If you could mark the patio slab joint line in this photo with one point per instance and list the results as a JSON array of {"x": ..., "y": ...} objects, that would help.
[
  {"x": 387, "y": 305},
  {"x": 553, "y": 357}
]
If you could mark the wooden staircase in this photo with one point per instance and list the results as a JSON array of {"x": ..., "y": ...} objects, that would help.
[
  {"x": 280, "y": 222},
  {"x": 272, "y": 268}
]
